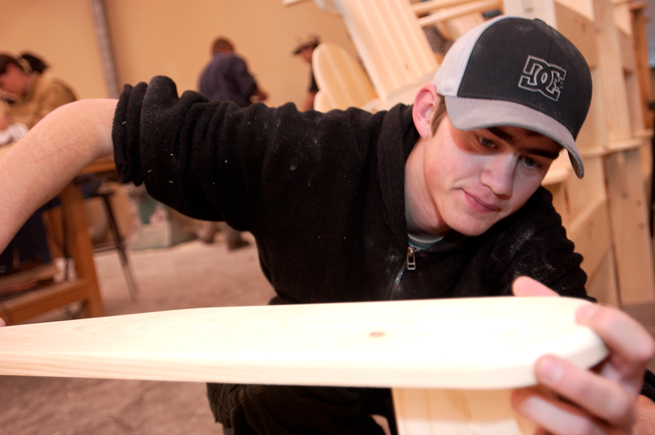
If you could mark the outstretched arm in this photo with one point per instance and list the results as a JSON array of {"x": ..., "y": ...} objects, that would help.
[
  {"x": 605, "y": 400},
  {"x": 49, "y": 156}
]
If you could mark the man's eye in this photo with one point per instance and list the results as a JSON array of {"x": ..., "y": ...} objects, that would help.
[
  {"x": 531, "y": 163},
  {"x": 487, "y": 143}
]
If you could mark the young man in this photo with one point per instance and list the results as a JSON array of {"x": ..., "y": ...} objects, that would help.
[{"x": 439, "y": 199}]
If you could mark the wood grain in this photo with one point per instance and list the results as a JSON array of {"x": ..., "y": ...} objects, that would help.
[{"x": 456, "y": 343}]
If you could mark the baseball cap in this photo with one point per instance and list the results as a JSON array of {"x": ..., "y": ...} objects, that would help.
[{"x": 517, "y": 72}]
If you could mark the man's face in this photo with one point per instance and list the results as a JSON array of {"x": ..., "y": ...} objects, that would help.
[
  {"x": 476, "y": 178},
  {"x": 12, "y": 82}
]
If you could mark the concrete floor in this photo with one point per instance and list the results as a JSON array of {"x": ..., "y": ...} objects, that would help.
[{"x": 190, "y": 275}]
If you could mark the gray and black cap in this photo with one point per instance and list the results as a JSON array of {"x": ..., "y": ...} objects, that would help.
[{"x": 517, "y": 72}]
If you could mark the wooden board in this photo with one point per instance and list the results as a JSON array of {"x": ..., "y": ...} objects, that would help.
[
  {"x": 459, "y": 412},
  {"x": 341, "y": 78},
  {"x": 455, "y": 343}
]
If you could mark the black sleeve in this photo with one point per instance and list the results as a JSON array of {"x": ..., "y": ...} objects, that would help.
[
  {"x": 125, "y": 137},
  {"x": 648, "y": 388},
  {"x": 218, "y": 161},
  {"x": 203, "y": 159}
]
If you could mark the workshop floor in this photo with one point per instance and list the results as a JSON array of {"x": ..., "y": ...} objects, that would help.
[{"x": 190, "y": 275}]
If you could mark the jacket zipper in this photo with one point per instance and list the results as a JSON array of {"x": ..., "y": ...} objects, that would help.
[
  {"x": 410, "y": 264},
  {"x": 411, "y": 258}
]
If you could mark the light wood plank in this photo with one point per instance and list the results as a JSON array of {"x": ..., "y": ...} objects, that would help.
[
  {"x": 427, "y": 6},
  {"x": 645, "y": 79},
  {"x": 629, "y": 217},
  {"x": 459, "y": 11},
  {"x": 455, "y": 343},
  {"x": 612, "y": 80},
  {"x": 542, "y": 9},
  {"x": 390, "y": 42},
  {"x": 592, "y": 236},
  {"x": 341, "y": 78},
  {"x": 626, "y": 44},
  {"x": 579, "y": 29},
  {"x": 602, "y": 284},
  {"x": 458, "y": 412}
]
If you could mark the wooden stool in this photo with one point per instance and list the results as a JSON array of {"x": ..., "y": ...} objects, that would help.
[{"x": 117, "y": 242}]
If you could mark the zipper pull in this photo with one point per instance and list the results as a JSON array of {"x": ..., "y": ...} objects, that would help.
[{"x": 411, "y": 258}]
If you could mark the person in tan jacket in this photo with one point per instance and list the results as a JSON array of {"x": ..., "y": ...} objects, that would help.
[{"x": 28, "y": 94}]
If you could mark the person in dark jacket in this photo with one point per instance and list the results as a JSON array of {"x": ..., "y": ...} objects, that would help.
[
  {"x": 227, "y": 77},
  {"x": 439, "y": 199}
]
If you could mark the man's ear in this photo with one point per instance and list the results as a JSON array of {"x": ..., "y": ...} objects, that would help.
[{"x": 424, "y": 104}]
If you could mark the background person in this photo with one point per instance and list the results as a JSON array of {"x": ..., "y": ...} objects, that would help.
[
  {"x": 28, "y": 91},
  {"x": 226, "y": 77},
  {"x": 28, "y": 94},
  {"x": 305, "y": 45}
]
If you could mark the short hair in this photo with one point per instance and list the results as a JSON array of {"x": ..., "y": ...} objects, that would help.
[
  {"x": 27, "y": 62},
  {"x": 221, "y": 44},
  {"x": 439, "y": 112}
]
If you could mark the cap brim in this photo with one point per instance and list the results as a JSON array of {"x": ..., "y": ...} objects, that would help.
[{"x": 473, "y": 113}]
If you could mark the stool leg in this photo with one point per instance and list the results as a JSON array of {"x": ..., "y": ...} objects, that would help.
[{"x": 120, "y": 246}]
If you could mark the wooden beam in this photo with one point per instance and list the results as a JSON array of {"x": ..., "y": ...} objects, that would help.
[
  {"x": 455, "y": 12},
  {"x": 450, "y": 343}
]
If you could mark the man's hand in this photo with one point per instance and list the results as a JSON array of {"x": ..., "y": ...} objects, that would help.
[{"x": 603, "y": 400}]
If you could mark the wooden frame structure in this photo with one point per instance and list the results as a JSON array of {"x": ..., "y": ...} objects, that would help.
[
  {"x": 342, "y": 81},
  {"x": 390, "y": 42}
]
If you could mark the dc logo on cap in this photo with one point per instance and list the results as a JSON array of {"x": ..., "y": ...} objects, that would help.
[{"x": 541, "y": 76}]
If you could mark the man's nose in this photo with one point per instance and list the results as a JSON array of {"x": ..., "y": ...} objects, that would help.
[{"x": 498, "y": 173}]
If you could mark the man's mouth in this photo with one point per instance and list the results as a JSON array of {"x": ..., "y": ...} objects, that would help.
[{"x": 481, "y": 205}]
